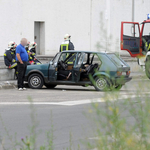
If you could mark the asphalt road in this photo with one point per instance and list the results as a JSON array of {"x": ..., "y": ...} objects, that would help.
[{"x": 66, "y": 107}]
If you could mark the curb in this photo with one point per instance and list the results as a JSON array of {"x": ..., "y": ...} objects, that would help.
[
  {"x": 8, "y": 85},
  {"x": 139, "y": 76}
]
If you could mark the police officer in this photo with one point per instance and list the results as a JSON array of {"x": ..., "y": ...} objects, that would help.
[
  {"x": 67, "y": 44},
  {"x": 10, "y": 56}
]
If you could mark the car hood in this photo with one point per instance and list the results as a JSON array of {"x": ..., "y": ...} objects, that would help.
[{"x": 38, "y": 67}]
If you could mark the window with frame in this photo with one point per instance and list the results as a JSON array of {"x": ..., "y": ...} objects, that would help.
[
  {"x": 79, "y": 60},
  {"x": 131, "y": 29},
  {"x": 146, "y": 30},
  {"x": 68, "y": 57},
  {"x": 96, "y": 60}
]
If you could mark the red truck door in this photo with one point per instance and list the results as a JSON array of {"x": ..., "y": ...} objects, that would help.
[{"x": 130, "y": 38}]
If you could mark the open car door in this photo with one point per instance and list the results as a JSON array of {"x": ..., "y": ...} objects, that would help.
[
  {"x": 77, "y": 70},
  {"x": 130, "y": 38},
  {"x": 53, "y": 68}
]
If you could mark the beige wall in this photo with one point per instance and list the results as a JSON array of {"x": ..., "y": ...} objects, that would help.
[{"x": 80, "y": 18}]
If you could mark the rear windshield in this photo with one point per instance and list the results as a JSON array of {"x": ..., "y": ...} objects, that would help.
[{"x": 116, "y": 60}]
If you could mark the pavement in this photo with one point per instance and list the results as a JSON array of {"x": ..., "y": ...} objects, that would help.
[
  {"x": 66, "y": 109},
  {"x": 72, "y": 125}
]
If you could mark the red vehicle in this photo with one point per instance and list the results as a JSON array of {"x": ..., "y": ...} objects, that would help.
[{"x": 134, "y": 37}]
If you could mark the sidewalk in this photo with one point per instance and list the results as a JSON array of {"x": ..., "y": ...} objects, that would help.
[{"x": 12, "y": 84}]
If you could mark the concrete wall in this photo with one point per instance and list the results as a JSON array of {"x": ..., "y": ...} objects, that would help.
[{"x": 93, "y": 24}]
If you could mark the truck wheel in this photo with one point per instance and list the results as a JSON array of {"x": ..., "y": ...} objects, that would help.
[
  {"x": 50, "y": 86},
  {"x": 147, "y": 69},
  {"x": 35, "y": 81},
  {"x": 101, "y": 84}
]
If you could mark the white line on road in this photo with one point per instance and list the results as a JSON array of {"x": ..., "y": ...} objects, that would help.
[{"x": 72, "y": 103}]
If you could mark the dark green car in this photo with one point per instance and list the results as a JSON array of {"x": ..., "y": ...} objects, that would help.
[{"x": 102, "y": 70}]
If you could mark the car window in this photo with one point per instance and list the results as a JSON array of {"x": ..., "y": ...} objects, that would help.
[
  {"x": 63, "y": 56},
  {"x": 116, "y": 60},
  {"x": 95, "y": 60},
  {"x": 68, "y": 57},
  {"x": 85, "y": 60},
  {"x": 55, "y": 60},
  {"x": 146, "y": 30},
  {"x": 131, "y": 29},
  {"x": 91, "y": 58},
  {"x": 79, "y": 60},
  {"x": 72, "y": 57}
]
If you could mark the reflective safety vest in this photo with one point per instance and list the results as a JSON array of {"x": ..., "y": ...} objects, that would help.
[
  {"x": 147, "y": 45},
  {"x": 64, "y": 47}
]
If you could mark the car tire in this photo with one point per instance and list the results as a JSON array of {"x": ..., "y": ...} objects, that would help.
[
  {"x": 147, "y": 69},
  {"x": 101, "y": 84},
  {"x": 35, "y": 81},
  {"x": 50, "y": 86}
]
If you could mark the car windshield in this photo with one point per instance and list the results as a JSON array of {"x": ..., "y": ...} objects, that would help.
[
  {"x": 146, "y": 31},
  {"x": 116, "y": 60}
]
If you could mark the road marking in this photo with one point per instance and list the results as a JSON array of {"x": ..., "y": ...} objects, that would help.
[{"x": 73, "y": 103}]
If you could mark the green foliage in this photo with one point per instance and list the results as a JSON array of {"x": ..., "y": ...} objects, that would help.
[{"x": 114, "y": 130}]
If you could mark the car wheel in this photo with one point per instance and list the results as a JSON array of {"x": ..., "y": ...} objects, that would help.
[
  {"x": 147, "y": 69},
  {"x": 101, "y": 84},
  {"x": 50, "y": 86},
  {"x": 35, "y": 81}
]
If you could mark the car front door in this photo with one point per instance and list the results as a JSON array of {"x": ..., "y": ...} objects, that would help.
[
  {"x": 53, "y": 68},
  {"x": 130, "y": 38},
  {"x": 77, "y": 69}
]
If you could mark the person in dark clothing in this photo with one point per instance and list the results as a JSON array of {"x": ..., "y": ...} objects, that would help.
[
  {"x": 32, "y": 48},
  {"x": 29, "y": 53},
  {"x": 67, "y": 44},
  {"x": 22, "y": 59},
  {"x": 147, "y": 46},
  {"x": 10, "y": 56}
]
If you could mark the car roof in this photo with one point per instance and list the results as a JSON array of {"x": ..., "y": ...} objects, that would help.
[{"x": 78, "y": 51}]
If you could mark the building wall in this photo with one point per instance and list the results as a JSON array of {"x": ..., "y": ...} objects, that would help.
[{"x": 93, "y": 24}]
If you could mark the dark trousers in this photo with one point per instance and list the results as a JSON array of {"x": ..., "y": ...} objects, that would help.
[{"x": 21, "y": 73}]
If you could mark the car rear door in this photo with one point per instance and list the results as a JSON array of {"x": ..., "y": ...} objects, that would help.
[{"x": 130, "y": 38}]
